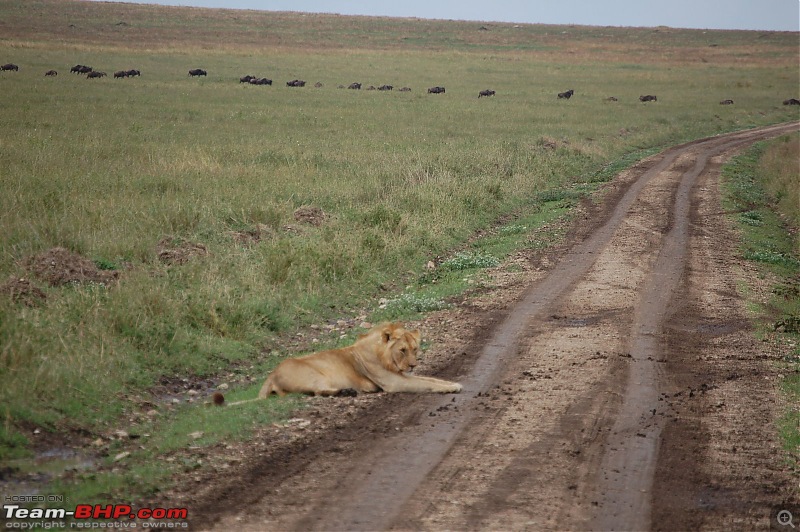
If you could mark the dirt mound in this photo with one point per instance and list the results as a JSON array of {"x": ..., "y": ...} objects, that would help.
[
  {"x": 175, "y": 251},
  {"x": 59, "y": 266},
  {"x": 310, "y": 215},
  {"x": 21, "y": 290},
  {"x": 252, "y": 236}
]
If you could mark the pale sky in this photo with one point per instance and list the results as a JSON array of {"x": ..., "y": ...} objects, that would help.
[{"x": 783, "y": 15}]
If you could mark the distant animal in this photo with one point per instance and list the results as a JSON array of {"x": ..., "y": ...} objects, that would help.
[
  {"x": 76, "y": 69},
  {"x": 85, "y": 69},
  {"x": 791, "y": 101},
  {"x": 133, "y": 72},
  {"x": 95, "y": 74},
  {"x": 385, "y": 87},
  {"x": 566, "y": 95},
  {"x": 378, "y": 361},
  {"x": 120, "y": 74},
  {"x": 354, "y": 86},
  {"x": 436, "y": 90},
  {"x": 51, "y": 73},
  {"x": 246, "y": 79},
  {"x": 648, "y": 98},
  {"x": 486, "y": 92},
  {"x": 612, "y": 99},
  {"x": 404, "y": 89},
  {"x": 197, "y": 72},
  {"x": 9, "y": 66},
  {"x": 318, "y": 84},
  {"x": 260, "y": 81},
  {"x": 296, "y": 83},
  {"x": 726, "y": 102},
  {"x": 371, "y": 88}
]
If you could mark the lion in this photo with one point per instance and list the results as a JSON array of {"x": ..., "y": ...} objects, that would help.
[{"x": 378, "y": 361}]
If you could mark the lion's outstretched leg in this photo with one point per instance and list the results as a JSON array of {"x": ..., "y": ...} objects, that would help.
[{"x": 393, "y": 383}]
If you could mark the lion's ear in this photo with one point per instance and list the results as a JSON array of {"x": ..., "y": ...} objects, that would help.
[
  {"x": 386, "y": 335},
  {"x": 417, "y": 335}
]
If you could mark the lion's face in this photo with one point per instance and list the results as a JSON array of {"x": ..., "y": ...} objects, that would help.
[{"x": 400, "y": 348}]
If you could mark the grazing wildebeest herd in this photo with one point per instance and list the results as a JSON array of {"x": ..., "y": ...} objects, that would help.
[{"x": 91, "y": 73}]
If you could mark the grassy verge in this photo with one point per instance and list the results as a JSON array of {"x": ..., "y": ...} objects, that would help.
[{"x": 762, "y": 186}]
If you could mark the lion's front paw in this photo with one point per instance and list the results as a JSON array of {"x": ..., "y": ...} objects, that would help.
[{"x": 456, "y": 388}]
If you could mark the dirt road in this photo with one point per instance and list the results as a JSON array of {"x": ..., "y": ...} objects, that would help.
[{"x": 611, "y": 385}]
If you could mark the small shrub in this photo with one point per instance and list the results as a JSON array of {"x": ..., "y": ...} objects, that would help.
[
  {"x": 469, "y": 260},
  {"x": 772, "y": 257},
  {"x": 414, "y": 303},
  {"x": 752, "y": 218},
  {"x": 513, "y": 229}
]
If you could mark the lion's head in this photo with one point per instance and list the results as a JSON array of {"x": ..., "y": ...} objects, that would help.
[{"x": 398, "y": 347}]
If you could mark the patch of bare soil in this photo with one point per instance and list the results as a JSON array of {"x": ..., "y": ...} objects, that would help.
[
  {"x": 249, "y": 237},
  {"x": 310, "y": 215},
  {"x": 174, "y": 251},
  {"x": 59, "y": 266},
  {"x": 613, "y": 384},
  {"x": 21, "y": 290}
]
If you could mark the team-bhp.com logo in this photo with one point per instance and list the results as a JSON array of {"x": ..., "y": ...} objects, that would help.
[{"x": 94, "y": 516}]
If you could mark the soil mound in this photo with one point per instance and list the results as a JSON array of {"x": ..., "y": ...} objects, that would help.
[
  {"x": 310, "y": 215},
  {"x": 59, "y": 266},
  {"x": 21, "y": 290},
  {"x": 174, "y": 251}
]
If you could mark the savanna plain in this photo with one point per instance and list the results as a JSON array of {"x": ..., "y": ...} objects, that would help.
[{"x": 165, "y": 236}]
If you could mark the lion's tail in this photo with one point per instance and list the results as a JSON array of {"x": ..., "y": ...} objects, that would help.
[
  {"x": 268, "y": 388},
  {"x": 244, "y": 401}
]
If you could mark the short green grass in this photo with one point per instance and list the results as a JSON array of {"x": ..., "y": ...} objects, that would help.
[
  {"x": 109, "y": 168},
  {"x": 756, "y": 184}
]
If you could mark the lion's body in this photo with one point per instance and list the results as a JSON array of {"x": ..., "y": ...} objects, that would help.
[{"x": 377, "y": 361}]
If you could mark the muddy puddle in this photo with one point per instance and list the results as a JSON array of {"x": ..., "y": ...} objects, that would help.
[{"x": 35, "y": 475}]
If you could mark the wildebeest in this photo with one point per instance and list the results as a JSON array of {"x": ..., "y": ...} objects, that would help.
[
  {"x": 246, "y": 79},
  {"x": 120, "y": 74},
  {"x": 354, "y": 86},
  {"x": 404, "y": 89},
  {"x": 612, "y": 99},
  {"x": 436, "y": 90},
  {"x": 648, "y": 98},
  {"x": 318, "y": 84},
  {"x": 386, "y": 87},
  {"x": 296, "y": 83},
  {"x": 486, "y": 92},
  {"x": 726, "y": 102},
  {"x": 10, "y": 66},
  {"x": 80, "y": 69},
  {"x": 133, "y": 72},
  {"x": 260, "y": 81},
  {"x": 95, "y": 74},
  {"x": 51, "y": 73},
  {"x": 791, "y": 101},
  {"x": 197, "y": 72},
  {"x": 566, "y": 94}
]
